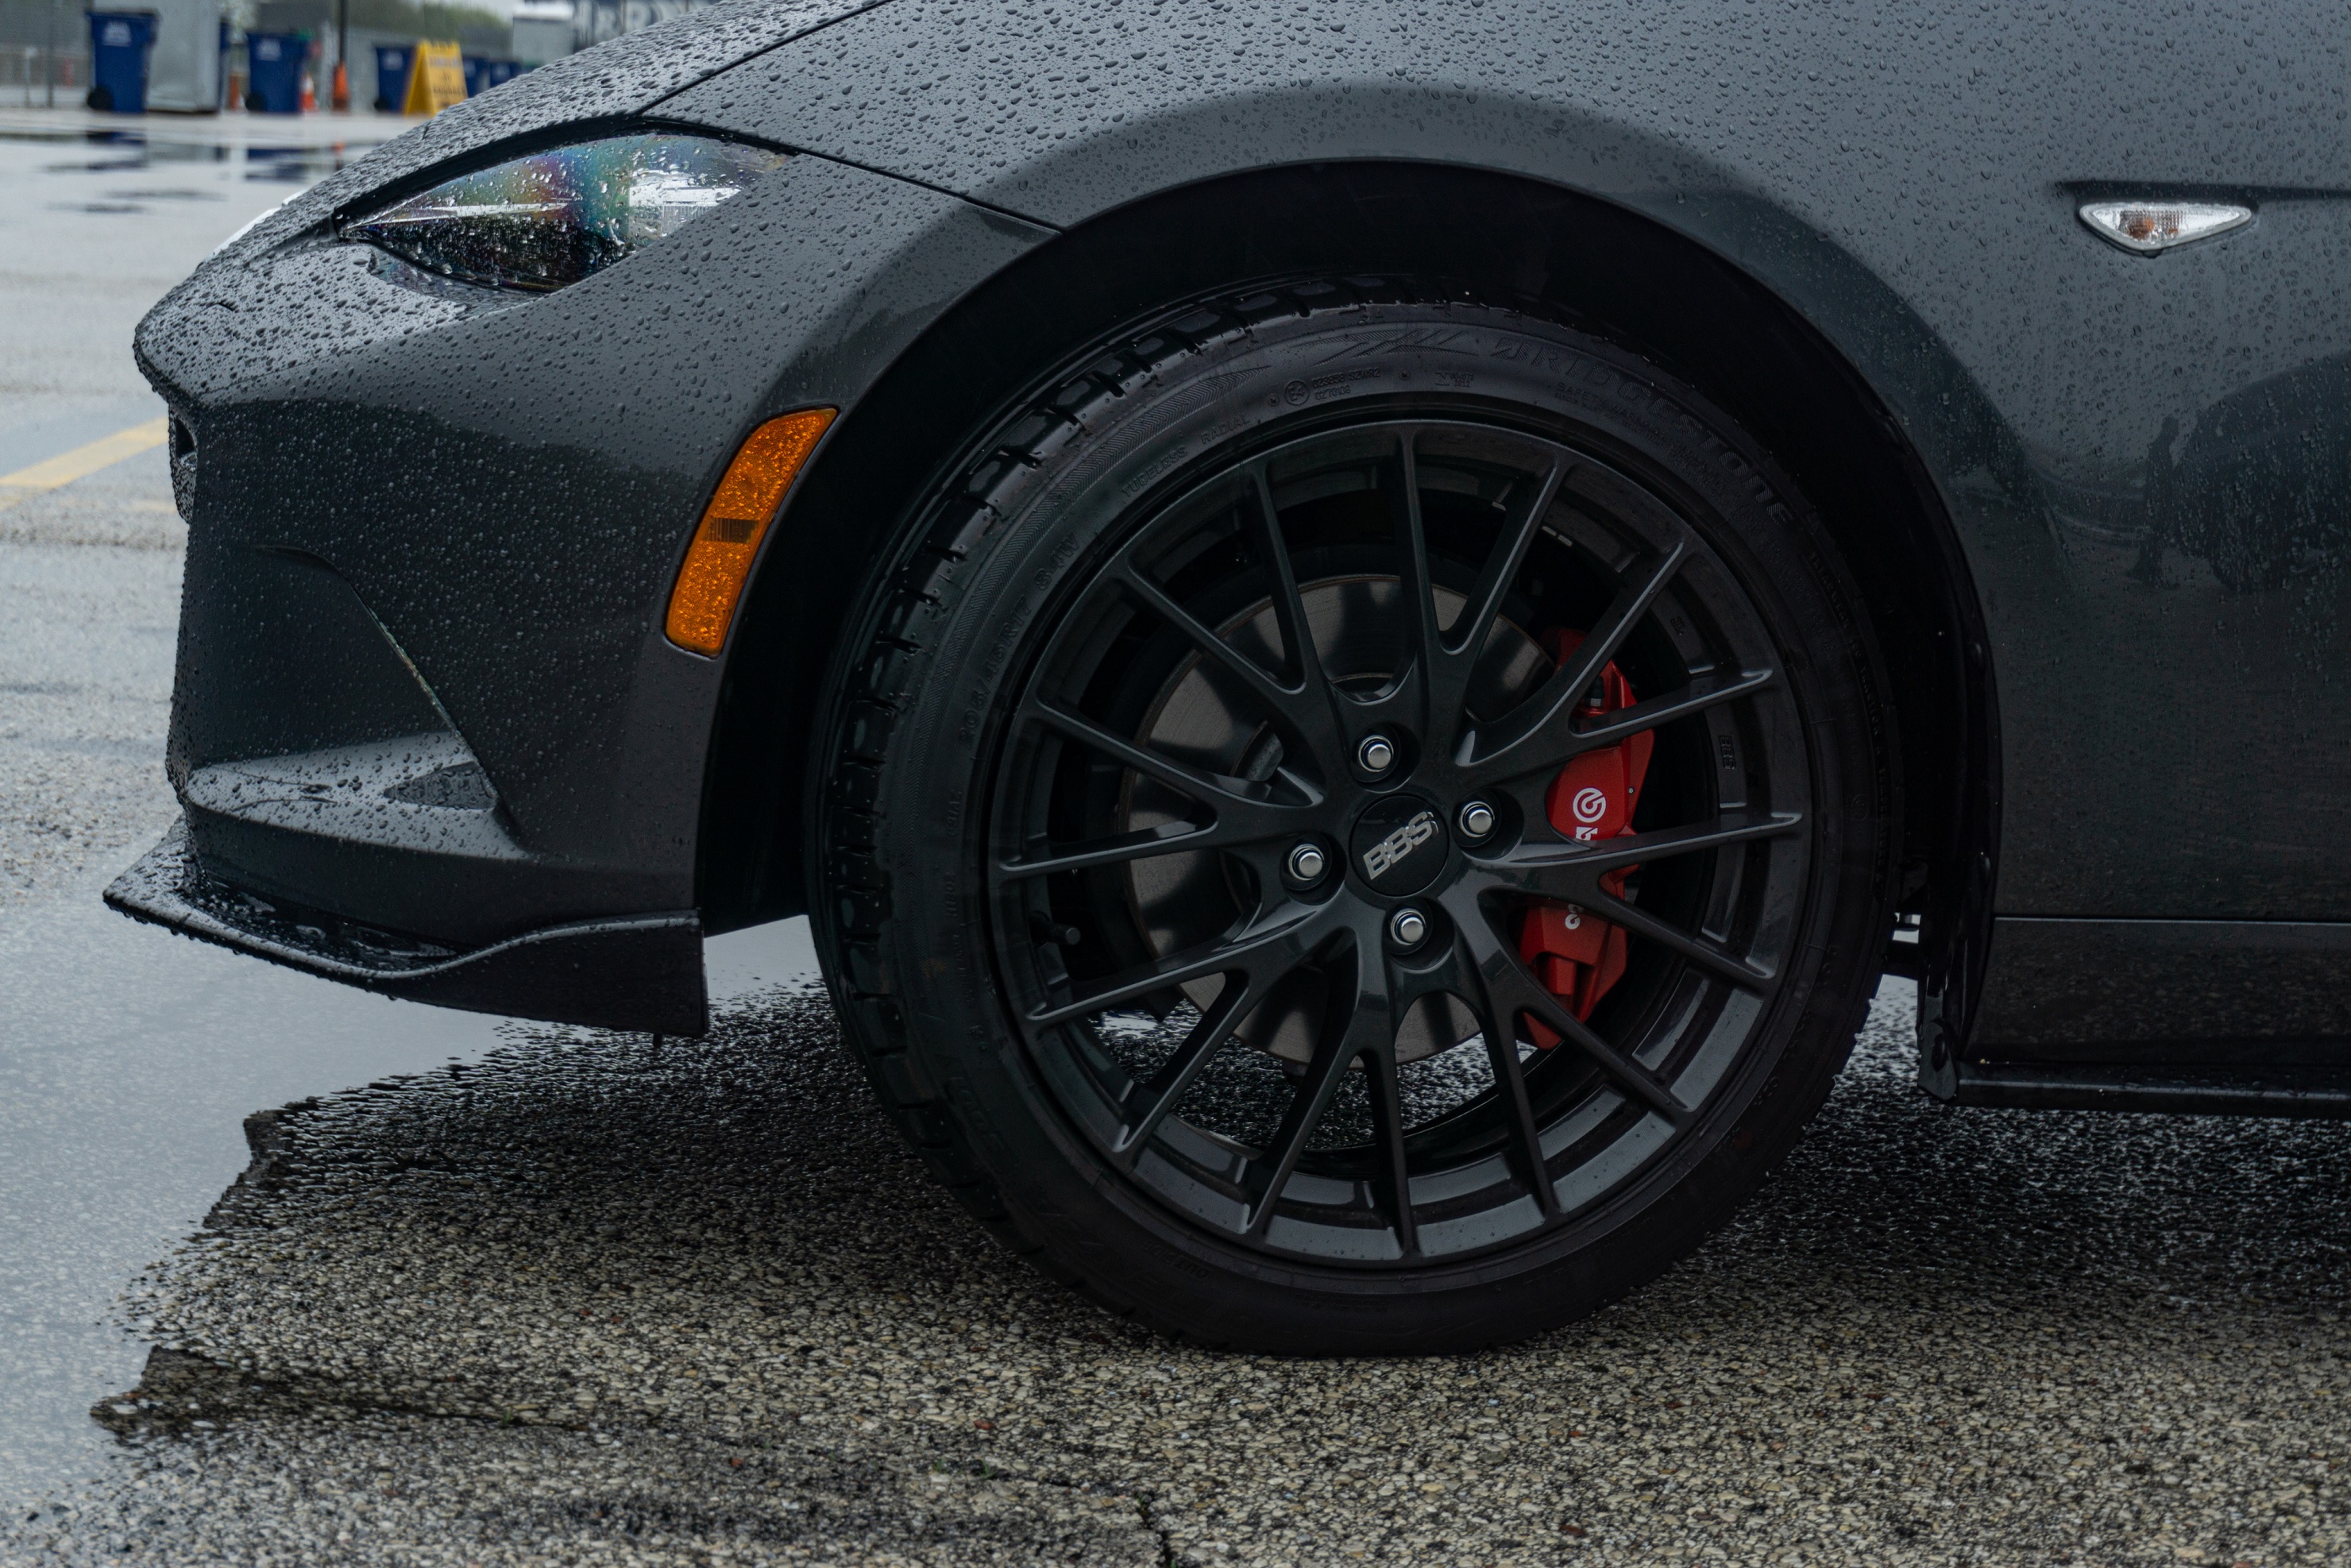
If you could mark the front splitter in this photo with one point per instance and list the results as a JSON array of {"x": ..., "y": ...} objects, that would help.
[{"x": 630, "y": 972}]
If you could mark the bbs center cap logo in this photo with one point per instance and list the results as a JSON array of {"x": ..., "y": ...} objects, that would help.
[{"x": 1399, "y": 844}]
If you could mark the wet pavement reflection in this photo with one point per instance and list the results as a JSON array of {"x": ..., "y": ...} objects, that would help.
[{"x": 129, "y": 1061}]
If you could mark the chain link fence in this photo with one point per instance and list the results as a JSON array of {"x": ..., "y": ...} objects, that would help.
[{"x": 30, "y": 74}]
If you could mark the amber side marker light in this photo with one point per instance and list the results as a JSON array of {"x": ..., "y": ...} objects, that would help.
[{"x": 702, "y": 605}]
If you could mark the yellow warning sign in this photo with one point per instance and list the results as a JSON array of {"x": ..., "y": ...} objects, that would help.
[{"x": 436, "y": 78}]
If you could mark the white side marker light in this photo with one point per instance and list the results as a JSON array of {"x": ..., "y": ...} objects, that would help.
[{"x": 2148, "y": 227}]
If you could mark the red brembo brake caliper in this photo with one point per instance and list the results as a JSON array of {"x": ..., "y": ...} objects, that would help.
[{"x": 1576, "y": 956}]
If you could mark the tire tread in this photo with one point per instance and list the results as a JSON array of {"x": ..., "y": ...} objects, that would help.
[{"x": 853, "y": 915}]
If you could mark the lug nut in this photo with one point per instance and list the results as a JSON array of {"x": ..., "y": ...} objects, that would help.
[
  {"x": 1377, "y": 753},
  {"x": 1406, "y": 926},
  {"x": 1477, "y": 819},
  {"x": 1306, "y": 863}
]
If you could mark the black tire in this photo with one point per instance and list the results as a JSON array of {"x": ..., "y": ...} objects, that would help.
[
  {"x": 942, "y": 768},
  {"x": 100, "y": 99}
]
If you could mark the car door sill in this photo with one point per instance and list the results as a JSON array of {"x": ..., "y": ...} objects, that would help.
[{"x": 2179, "y": 1091}]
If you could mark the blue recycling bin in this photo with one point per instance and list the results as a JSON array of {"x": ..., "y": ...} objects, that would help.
[
  {"x": 481, "y": 75},
  {"x": 118, "y": 42},
  {"x": 273, "y": 72},
  {"x": 392, "y": 77}
]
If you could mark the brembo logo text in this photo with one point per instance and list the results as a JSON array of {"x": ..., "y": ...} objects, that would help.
[
  {"x": 1391, "y": 850},
  {"x": 1589, "y": 805}
]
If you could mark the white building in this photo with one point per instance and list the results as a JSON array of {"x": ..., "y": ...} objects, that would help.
[{"x": 544, "y": 30}]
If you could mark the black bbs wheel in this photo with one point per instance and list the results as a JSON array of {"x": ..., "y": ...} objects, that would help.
[{"x": 1358, "y": 825}]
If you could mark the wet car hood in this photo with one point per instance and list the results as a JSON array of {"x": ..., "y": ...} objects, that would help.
[
  {"x": 265, "y": 300},
  {"x": 624, "y": 76}
]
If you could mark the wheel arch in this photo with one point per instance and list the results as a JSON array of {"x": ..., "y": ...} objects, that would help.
[{"x": 1506, "y": 239}]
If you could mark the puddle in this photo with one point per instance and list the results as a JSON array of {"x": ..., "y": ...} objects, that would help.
[
  {"x": 131, "y": 151},
  {"x": 304, "y": 165},
  {"x": 129, "y": 1060}
]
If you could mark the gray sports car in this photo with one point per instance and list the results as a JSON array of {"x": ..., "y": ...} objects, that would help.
[{"x": 1361, "y": 628}]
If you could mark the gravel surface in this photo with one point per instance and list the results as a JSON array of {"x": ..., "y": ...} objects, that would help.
[{"x": 537, "y": 1307}]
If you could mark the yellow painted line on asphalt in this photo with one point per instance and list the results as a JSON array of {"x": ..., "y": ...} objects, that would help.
[{"x": 82, "y": 461}]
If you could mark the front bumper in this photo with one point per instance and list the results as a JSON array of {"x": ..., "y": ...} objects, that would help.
[
  {"x": 422, "y": 687},
  {"x": 642, "y": 972}
]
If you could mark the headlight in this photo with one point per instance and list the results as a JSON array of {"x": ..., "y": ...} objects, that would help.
[{"x": 552, "y": 218}]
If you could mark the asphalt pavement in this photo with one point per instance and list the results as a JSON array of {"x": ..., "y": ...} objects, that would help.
[{"x": 293, "y": 1275}]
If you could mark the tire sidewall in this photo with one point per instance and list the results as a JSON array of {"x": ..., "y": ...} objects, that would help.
[{"x": 1052, "y": 514}]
